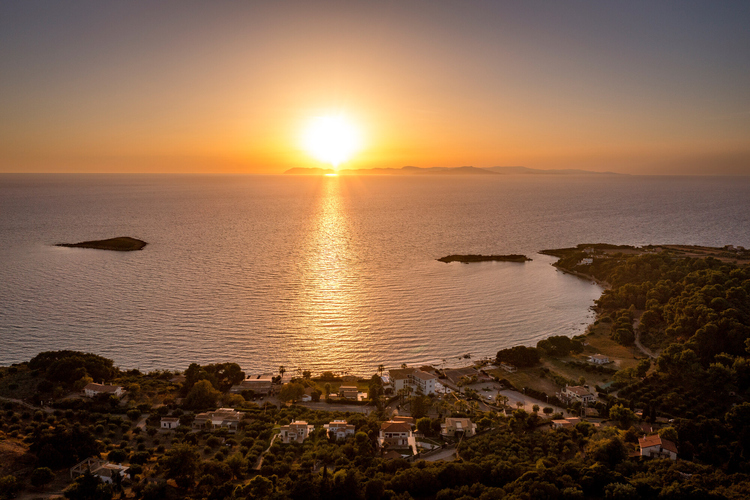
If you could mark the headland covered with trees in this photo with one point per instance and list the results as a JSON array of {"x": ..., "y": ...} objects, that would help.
[{"x": 667, "y": 361}]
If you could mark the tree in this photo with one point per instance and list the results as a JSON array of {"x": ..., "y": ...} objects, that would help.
[
  {"x": 9, "y": 487},
  {"x": 41, "y": 476},
  {"x": 642, "y": 368},
  {"x": 424, "y": 425},
  {"x": 381, "y": 369},
  {"x": 291, "y": 391},
  {"x": 201, "y": 396},
  {"x": 282, "y": 370},
  {"x": 669, "y": 433},
  {"x": 535, "y": 408},
  {"x": 327, "y": 388},
  {"x": 547, "y": 410},
  {"x": 88, "y": 487},
  {"x": 622, "y": 415},
  {"x": 181, "y": 464}
]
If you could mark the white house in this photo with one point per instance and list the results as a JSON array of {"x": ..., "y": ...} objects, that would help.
[
  {"x": 92, "y": 390},
  {"x": 587, "y": 261},
  {"x": 395, "y": 435},
  {"x": 414, "y": 378},
  {"x": 339, "y": 429},
  {"x": 599, "y": 359},
  {"x": 170, "y": 422},
  {"x": 577, "y": 393},
  {"x": 656, "y": 446},
  {"x": 102, "y": 469},
  {"x": 296, "y": 431}
]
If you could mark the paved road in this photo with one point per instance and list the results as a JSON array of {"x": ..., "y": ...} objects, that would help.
[{"x": 447, "y": 454}]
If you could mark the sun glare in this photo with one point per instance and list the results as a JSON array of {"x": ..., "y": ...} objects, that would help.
[{"x": 331, "y": 139}]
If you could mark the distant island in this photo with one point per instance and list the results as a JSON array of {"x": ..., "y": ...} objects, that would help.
[
  {"x": 465, "y": 259},
  {"x": 467, "y": 170},
  {"x": 119, "y": 244}
]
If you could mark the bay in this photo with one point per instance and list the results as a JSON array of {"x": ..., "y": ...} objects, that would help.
[{"x": 323, "y": 273}]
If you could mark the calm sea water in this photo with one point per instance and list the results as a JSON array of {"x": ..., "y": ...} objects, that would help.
[{"x": 322, "y": 272}]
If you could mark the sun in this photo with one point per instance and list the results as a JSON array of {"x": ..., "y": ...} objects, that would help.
[{"x": 331, "y": 139}]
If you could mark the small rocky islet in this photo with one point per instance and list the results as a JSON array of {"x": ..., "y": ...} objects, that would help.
[
  {"x": 466, "y": 259},
  {"x": 119, "y": 244}
]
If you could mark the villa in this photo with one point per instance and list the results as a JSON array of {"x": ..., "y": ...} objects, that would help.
[
  {"x": 297, "y": 431},
  {"x": 458, "y": 427},
  {"x": 92, "y": 390},
  {"x": 339, "y": 429},
  {"x": 656, "y": 446},
  {"x": 226, "y": 418},
  {"x": 394, "y": 435}
]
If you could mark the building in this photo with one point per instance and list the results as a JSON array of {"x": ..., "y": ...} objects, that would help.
[
  {"x": 586, "y": 261},
  {"x": 656, "y": 446},
  {"x": 576, "y": 393},
  {"x": 100, "y": 468},
  {"x": 296, "y": 432},
  {"x": 508, "y": 367},
  {"x": 92, "y": 390},
  {"x": 454, "y": 375},
  {"x": 599, "y": 359},
  {"x": 348, "y": 392},
  {"x": 170, "y": 422},
  {"x": 562, "y": 424},
  {"x": 259, "y": 384},
  {"x": 414, "y": 378},
  {"x": 394, "y": 435},
  {"x": 225, "y": 418},
  {"x": 458, "y": 427},
  {"x": 339, "y": 429},
  {"x": 423, "y": 381}
]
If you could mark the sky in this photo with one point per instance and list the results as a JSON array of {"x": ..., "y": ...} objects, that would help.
[{"x": 641, "y": 87}]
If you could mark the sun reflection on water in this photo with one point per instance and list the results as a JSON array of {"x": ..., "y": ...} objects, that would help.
[{"x": 331, "y": 298}]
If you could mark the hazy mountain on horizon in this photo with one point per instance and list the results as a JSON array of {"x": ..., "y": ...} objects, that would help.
[{"x": 466, "y": 170}]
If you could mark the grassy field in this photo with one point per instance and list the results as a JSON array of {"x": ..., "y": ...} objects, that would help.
[{"x": 598, "y": 342}]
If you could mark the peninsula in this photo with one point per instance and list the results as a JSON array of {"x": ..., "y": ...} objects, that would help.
[
  {"x": 119, "y": 244},
  {"x": 465, "y": 259}
]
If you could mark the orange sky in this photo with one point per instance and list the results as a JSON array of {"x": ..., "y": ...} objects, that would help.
[{"x": 228, "y": 87}]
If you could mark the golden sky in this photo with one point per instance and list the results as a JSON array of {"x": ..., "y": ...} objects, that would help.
[{"x": 220, "y": 87}]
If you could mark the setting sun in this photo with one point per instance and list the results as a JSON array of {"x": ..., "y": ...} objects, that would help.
[{"x": 331, "y": 139}]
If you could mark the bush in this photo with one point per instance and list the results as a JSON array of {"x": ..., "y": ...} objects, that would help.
[{"x": 41, "y": 476}]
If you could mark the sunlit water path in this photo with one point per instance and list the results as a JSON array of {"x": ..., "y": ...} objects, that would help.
[{"x": 322, "y": 272}]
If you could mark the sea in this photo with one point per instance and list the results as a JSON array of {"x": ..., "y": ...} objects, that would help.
[{"x": 324, "y": 273}]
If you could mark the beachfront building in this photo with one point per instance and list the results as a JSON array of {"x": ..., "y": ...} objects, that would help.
[
  {"x": 296, "y": 432},
  {"x": 414, "y": 378},
  {"x": 656, "y": 446},
  {"x": 455, "y": 375},
  {"x": 170, "y": 422},
  {"x": 223, "y": 418},
  {"x": 92, "y": 390},
  {"x": 260, "y": 384},
  {"x": 576, "y": 393},
  {"x": 394, "y": 435},
  {"x": 339, "y": 429},
  {"x": 458, "y": 427}
]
